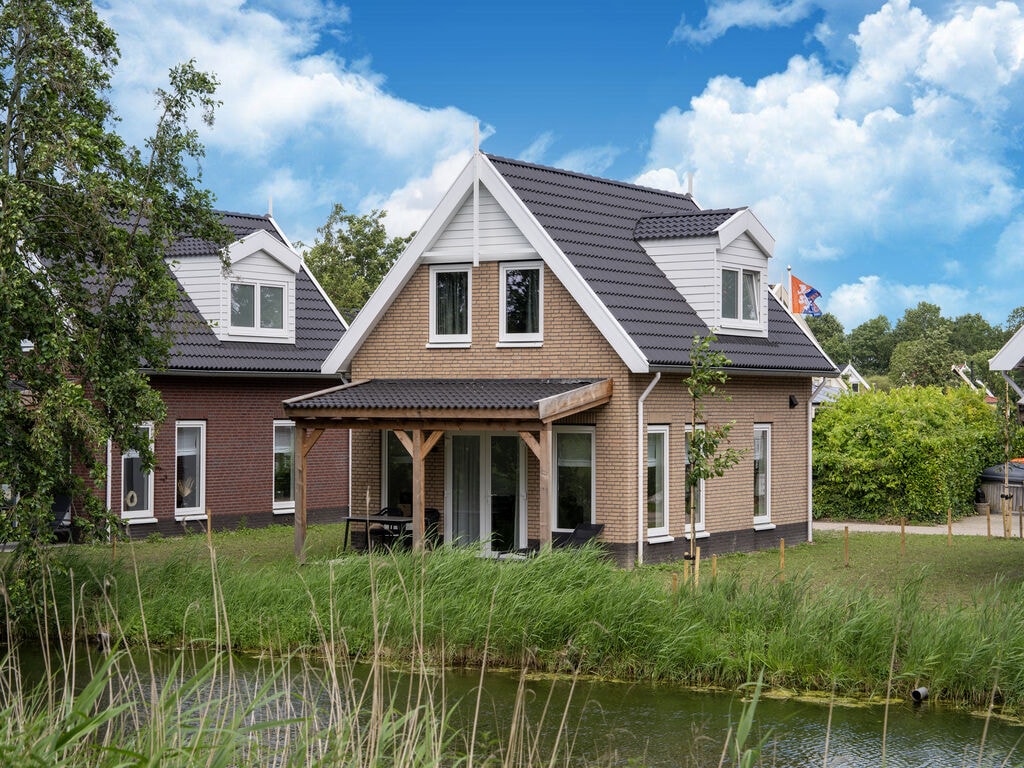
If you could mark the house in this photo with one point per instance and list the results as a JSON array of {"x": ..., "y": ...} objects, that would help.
[
  {"x": 246, "y": 338},
  {"x": 521, "y": 370}
]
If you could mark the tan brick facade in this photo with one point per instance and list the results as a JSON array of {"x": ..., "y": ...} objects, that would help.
[{"x": 573, "y": 348}]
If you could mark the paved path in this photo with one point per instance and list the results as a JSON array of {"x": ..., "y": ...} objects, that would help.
[{"x": 976, "y": 525}]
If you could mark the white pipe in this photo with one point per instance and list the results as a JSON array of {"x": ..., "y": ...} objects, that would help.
[
  {"x": 810, "y": 473},
  {"x": 640, "y": 526},
  {"x": 110, "y": 490}
]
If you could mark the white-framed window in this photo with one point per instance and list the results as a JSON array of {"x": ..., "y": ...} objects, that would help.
[
  {"x": 698, "y": 489},
  {"x": 136, "y": 483},
  {"x": 762, "y": 474},
  {"x": 450, "y": 304},
  {"x": 190, "y": 469},
  {"x": 258, "y": 307},
  {"x": 657, "y": 480},
  {"x": 522, "y": 301},
  {"x": 574, "y": 482},
  {"x": 284, "y": 467},
  {"x": 741, "y": 295}
]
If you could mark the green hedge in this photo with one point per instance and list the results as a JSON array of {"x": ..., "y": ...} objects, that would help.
[{"x": 910, "y": 452}]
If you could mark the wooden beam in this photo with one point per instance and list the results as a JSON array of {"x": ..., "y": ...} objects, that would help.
[
  {"x": 544, "y": 459},
  {"x": 582, "y": 399},
  {"x": 531, "y": 442},
  {"x": 405, "y": 440},
  {"x": 315, "y": 435},
  {"x": 430, "y": 442},
  {"x": 418, "y": 488},
  {"x": 299, "y": 521}
]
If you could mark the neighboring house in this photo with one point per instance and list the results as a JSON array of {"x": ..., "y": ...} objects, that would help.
[
  {"x": 1011, "y": 358},
  {"x": 854, "y": 381},
  {"x": 245, "y": 340},
  {"x": 521, "y": 370}
]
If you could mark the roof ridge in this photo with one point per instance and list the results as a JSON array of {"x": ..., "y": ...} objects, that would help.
[
  {"x": 698, "y": 212},
  {"x": 613, "y": 182}
]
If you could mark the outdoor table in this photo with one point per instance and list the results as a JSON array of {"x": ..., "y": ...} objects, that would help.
[{"x": 388, "y": 521}]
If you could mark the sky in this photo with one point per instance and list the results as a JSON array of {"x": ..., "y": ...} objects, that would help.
[{"x": 882, "y": 144}]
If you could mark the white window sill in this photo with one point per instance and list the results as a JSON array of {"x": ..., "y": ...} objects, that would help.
[
  {"x": 449, "y": 344},
  {"x": 764, "y": 526},
  {"x": 664, "y": 539},
  {"x": 509, "y": 343},
  {"x": 700, "y": 535},
  {"x": 185, "y": 517},
  {"x": 285, "y": 510},
  {"x": 137, "y": 520}
]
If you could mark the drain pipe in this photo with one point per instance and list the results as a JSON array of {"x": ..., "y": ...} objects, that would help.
[{"x": 640, "y": 463}]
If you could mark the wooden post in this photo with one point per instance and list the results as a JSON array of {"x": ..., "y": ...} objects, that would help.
[
  {"x": 675, "y": 582},
  {"x": 949, "y": 527},
  {"x": 714, "y": 567},
  {"x": 988, "y": 519},
  {"x": 903, "y": 536},
  {"x": 544, "y": 484},
  {"x": 686, "y": 571},
  {"x": 696, "y": 568},
  {"x": 304, "y": 442},
  {"x": 419, "y": 485},
  {"x": 209, "y": 527},
  {"x": 782, "y": 559},
  {"x": 846, "y": 546}
]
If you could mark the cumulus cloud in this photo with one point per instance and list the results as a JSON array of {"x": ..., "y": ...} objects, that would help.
[
  {"x": 723, "y": 16},
  {"x": 884, "y": 148},
  {"x": 871, "y": 295}
]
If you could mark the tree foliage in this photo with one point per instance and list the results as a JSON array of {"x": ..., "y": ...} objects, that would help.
[
  {"x": 832, "y": 336},
  {"x": 85, "y": 220},
  {"x": 925, "y": 362},
  {"x": 871, "y": 345},
  {"x": 706, "y": 456},
  {"x": 912, "y": 451},
  {"x": 351, "y": 255}
]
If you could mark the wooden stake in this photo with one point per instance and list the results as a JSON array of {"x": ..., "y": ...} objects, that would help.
[
  {"x": 675, "y": 582},
  {"x": 949, "y": 527},
  {"x": 846, "y": 546},
  {"x": 686, "y": 571},
  {"x": 209, "y": 527},
  {"x": 988, "y": 519},
  {"x": 696, "y": 568},
  {"x": 903, "y": 536},
  {"x": 714, "y": 567},
  {"x": 782, "y": 559}
]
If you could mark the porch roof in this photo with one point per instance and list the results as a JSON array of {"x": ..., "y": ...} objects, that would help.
[{"x": 376, "y": 403}]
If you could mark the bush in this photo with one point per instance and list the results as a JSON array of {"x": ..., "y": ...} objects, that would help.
[{"x": 911, "y": 452}]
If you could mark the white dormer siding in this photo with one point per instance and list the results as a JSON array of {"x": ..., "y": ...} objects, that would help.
[
  {"x": 258, "y": 269},
  {"x": 200, "y": 277},
  {"x": 499, "y": 237}
]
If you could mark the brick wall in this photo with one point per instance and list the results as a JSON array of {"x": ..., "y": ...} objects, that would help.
[
  {"x": 239, "y": 415},
  {"x": 573, "y": 347}
]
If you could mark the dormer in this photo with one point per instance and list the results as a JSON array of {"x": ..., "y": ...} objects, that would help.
[
  {"x": 718, "y": 261},
  {"x": 251, "y": 299}
]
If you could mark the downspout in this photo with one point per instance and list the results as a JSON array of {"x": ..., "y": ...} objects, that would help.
[
  {"x": 110, "y": 489},
  {"x": 810, "y": 470},
  {"x": 640, "y": 527}
]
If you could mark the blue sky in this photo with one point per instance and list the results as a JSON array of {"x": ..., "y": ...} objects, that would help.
[{"x": 880, "y": 143}]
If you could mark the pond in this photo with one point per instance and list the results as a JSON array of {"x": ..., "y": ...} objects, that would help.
[{"x": 642, "y": 724}]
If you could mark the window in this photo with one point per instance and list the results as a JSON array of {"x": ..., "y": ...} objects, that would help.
[
  {"x": 741, "y": 294},
  {"x": 284, "y": 467},
  {"x": 657, "y": 485},
  {"x": 697, "y": 491},
  {"x": 136, "y": 483},
  {"x": 762, "y": 474},
  {"x": 521, "y": 302},
  {"x": 257, "y": 306},
  {"x": 574, "y": 477},
  {"x": 190, "y": 469},
  {"x": 449, "y": 305},
  {"x": 397, "y": 481}
]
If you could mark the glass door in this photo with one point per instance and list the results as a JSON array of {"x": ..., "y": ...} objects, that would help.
[
  {"x": 485, "y": 490},
  {"x": 464, "y": 488},
  {"x": 504, "y": 506}
]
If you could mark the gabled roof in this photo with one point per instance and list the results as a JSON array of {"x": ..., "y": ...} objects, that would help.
[
  {"x": 586, "y": 230},
  {"x": 317, "y": 324}
]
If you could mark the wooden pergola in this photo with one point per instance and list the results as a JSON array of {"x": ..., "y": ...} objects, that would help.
[{"x": 420, "y": 425}]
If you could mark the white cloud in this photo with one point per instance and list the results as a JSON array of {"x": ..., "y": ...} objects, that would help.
[
  {"x": 592, "y": 160},
  {"x": 723, "y": 16},
  {"x": 828, "y": 158},
  {"x": 872, "y": 295},
  {"x": 538, "y": 148}
]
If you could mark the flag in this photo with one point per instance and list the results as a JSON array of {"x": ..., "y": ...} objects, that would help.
[{"x": 802, "y": 297}]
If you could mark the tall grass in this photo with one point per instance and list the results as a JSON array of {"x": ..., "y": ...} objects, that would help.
[{"x": 564, "y": 612}]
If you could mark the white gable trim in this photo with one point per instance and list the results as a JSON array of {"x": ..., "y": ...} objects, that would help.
[
  {"x": 742, "y": 221},
  {"x": 418, "y": 251},
  {"x": 262, "y": 240},
  {"x": 1009, "y": 357}
]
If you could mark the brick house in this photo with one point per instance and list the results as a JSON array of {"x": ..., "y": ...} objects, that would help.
[
  {"x": 521, "y": 370},
  {"x": 246, "y": 339}
]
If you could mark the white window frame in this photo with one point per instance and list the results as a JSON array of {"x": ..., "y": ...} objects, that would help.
[
  {"x": 282, "y": 507},
  {"x": 197, "y": 512},
  {"x": 255, "y": 329},
  {"x": 451, "y": 339},
  {"x": 756, "y": 323},
  {"x": 138, "y": 515},
  {"x": 520, "y": 339},
  {"x": 698, "y": 516},
  {"x": 764, "y": 522},
  {"x": 556, "y": 431},
  {"x": 660, "y": 533}
]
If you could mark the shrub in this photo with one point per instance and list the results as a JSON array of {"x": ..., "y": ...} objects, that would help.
[{"x": 910, "y": 452}]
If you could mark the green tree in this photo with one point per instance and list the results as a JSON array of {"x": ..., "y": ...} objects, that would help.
[
  {"x": 84, "y": 225},
  {"x": 829, "y": 332},
  {"x": 1014, "y": 320},
  {"x": 920, "y": 321},
  {"x": 924, "y": 362},
  {"x": 706, "y": 458},
  {"x": 351, "y": 255},
  {"x": 871, "y": 345},
  {"x": 972, "y": 333}
]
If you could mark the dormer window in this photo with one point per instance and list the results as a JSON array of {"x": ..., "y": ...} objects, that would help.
[
  {"x": 450, "y": 289},
  {"x": 257, "y": 306},
  {"x": 522, "y": 292},
  {"x": 741, "y": 294}
]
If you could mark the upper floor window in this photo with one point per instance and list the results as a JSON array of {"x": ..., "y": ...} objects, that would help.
[
  {"x": 257, "y": 306},
  {"x": 522, "y": 293},
  {"x": 450, "y": 289},
  {"x": 741, "y": 294}
]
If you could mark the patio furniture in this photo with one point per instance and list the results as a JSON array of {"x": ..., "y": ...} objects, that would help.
[
  {"x": 580, "y": 535},
  {"x": 381, "y": 529}
]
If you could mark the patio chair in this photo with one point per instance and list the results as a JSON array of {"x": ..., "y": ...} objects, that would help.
[{"x": 580, "y": 535}]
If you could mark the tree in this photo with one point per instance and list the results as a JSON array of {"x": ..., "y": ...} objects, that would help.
[
  {"x": 924, "y": 362},
  {"x": 871, "y": 345},
  {"x": 972, "y": 334},
  {"x": 920, "y": 321},
  {"x": 705, "y": 456},
  {"x": 829, "y": 332},
  {"x": 351, "y": 256},
  {"x": 1014, "y": 320},
  {"x": 85, "y": 221}
]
